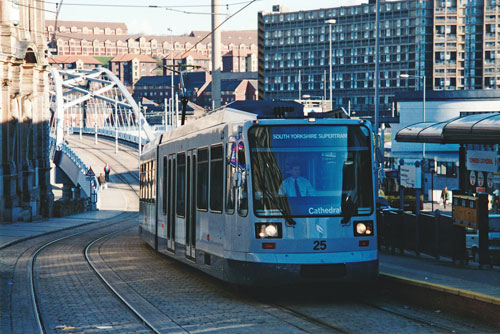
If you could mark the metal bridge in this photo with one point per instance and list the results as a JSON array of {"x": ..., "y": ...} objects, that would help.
[{"x": 92, "y": 101}]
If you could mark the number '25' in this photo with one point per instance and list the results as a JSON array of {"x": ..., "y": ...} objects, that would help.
[{"x": 319, "y": 245}]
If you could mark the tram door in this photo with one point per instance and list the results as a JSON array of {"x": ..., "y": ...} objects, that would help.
[
  {"x": 191, "y": 205},
  {"x": 171, "y": 203}
]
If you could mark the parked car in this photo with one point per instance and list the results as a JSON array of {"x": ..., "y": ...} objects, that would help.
[{"x": 472, "y": 240}]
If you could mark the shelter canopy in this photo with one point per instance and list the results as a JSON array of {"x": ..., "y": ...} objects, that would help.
[{"x": 479, "y": 128}]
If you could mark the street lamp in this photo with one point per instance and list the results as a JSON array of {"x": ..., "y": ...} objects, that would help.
[
  {"x": 406, "y": 76},
  {"x": 330, "y": 22},
  {"x": 172, "y": 72}
]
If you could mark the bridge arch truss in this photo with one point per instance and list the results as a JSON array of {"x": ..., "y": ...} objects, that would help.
[{"x": 92, "y": 99}]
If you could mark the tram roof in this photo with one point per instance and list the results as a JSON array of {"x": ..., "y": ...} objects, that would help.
[
  {"x": 219, "y": 117},
  {"x": 240, "y": 111},
  {"x": 479, "y": 128}
]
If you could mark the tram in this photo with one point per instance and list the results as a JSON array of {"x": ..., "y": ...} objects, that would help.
[{"x": 256, "y": 193}]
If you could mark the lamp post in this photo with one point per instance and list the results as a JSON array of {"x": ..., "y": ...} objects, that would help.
[
  {"x": 406, "y": 76},
  {"x": 423, "y": 120},
  {"x": 330, "y": 23},
  {"x": 172, "y": 70}
]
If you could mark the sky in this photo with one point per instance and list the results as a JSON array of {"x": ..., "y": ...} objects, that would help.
[{"x": 173, "y": 14}]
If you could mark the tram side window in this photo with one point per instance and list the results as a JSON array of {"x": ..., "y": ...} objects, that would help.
[
  {"x": 150, "y": 181},
  {"x": 141, "y": 183},
  {"x": 164, "y": 190},
  {"x": 146, "y": 182},
  {"x": 202, "y": 170},
  {"x": 243, "y": 195},
  {"x": 216, "y": 178},
  {"x": 181, "y": 179},
  {"x": 153, "y": 182},
  {"x": 230, "y": 171}
]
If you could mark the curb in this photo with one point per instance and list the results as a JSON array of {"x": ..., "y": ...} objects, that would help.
[{"x": 440, "y": 297}]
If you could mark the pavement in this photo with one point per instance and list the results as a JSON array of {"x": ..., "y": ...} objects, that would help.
[{"x": 11, "y": 233}]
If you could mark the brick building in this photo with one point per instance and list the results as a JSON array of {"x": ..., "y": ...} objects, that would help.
[
  {"x": 159, "y": 88},
  {"x": 239, "y": 61},
  {"x": 190, "y": 61},
  {"x": 129, "y": 68},
  {"x": 112, "y": 38},
  {"x": 231, "y": 90},
  {"x": 74, "y": 62}
]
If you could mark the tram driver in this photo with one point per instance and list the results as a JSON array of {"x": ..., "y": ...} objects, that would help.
[{"x": 296, "y": 185}]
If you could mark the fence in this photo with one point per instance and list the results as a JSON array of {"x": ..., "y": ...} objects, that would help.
[{"x": 434, "y": 235}]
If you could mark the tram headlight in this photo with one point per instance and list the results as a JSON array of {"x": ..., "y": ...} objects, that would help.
[
  {"x": 363, "y": 228},
  {"x": 268, "y": 230}
]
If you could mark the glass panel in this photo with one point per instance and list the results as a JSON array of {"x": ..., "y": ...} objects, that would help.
[
  {"x": 164, "y": 188},
  {"x": 181, "y": 179},
  {"x": 311, "y": 170},
  {"x": 230, "y": 171},
  {"x": 243, "y": 194},
  {"x": 216, "y": 178},
  {"x": 202, "y": 198}
]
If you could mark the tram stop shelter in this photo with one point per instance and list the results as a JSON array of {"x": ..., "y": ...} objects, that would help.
[{"x": 477, "y": 128}]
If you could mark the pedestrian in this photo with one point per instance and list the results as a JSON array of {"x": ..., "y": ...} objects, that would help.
[
  {"x": 496, "y": 201},
  {"x": 445, "y": 196},
  {"x": 107, "y": 170},
  {"x": 102, "y": 181}
]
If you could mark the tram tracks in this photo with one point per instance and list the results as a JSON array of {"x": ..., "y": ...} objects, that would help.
[
  {"x": 145, "y": 310},
  {"x": 354, "y": 314}
]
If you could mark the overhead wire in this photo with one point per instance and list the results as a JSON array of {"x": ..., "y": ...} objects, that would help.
[{"x": 166, "y": 7}]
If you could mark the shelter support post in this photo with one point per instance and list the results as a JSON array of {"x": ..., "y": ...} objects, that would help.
[{"x": 462, "y": 170}]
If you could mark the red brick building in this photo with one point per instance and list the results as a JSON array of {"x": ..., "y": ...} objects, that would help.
[
  {"x": 239, "y": 61},
  {"x": 112, "y": 38},
  {"x": 129, "y": 68},
  {"x": 74, "y": 62}
]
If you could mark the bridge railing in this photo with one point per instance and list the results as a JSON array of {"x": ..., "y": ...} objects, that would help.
[
  {"x": 66, "y": 150},
  {"x": 128, "y": 134}
]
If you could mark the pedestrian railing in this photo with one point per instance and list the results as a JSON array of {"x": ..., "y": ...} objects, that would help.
[
  {"x": 427, "y": 233},
  {"x": 82, "y": 167}
]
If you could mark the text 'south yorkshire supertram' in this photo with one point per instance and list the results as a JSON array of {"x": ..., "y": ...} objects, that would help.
[{"x": 257, "y": 194}]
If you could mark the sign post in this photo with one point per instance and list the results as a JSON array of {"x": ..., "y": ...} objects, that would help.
[{"x": 93, "y": 200}]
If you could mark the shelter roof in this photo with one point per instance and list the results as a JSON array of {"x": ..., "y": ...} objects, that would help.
[{"x": 478, "y": 128}]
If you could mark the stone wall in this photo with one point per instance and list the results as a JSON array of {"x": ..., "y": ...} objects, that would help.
[{"x": 25, "y": 190}]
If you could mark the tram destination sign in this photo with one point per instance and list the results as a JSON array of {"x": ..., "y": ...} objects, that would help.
[
  {"x": 465, "y": 211},
  {"x": 313, "y": 136}
]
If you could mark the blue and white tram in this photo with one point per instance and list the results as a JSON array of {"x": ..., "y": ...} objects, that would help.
[{"x": 255, "y": 198}]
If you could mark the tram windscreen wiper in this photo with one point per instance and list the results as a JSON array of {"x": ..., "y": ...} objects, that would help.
[
  {"x": 349, "y": 208},
  {"x": 281, "y": 203}
]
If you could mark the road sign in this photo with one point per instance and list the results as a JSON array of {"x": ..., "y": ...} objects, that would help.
[
  {"x": 90, "y": 173},
  {"x": 472, "y": 178},
  {"x": 480, "y": 179},
  {"x": 411, "y": 176},
  {"x": 489, "y": 180}
]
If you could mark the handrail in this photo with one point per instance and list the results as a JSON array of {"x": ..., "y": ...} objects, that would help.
[{"x": 76, "y": 160}]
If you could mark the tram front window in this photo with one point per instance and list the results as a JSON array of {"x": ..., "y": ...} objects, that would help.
[{"x": 315, "y": 170}]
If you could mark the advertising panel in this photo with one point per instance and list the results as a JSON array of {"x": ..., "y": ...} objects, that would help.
[{"x": 484, "y": 161}]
